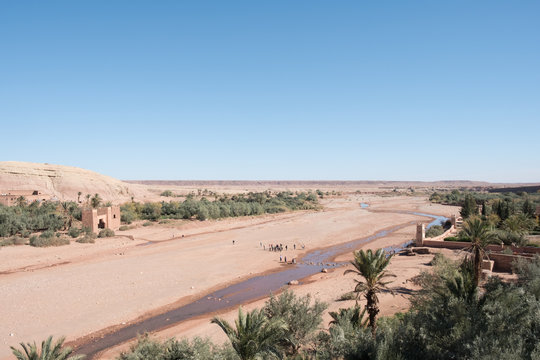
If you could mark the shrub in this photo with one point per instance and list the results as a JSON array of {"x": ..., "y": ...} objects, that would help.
[
  {"x": 302, "y": 318},
  {"x": 351, "y": 295},
  {"x": 87, "y": 239},
  {"x": 47, "y": 234},
  {"x": 167, "y": 193},
  {"x": 74, "y": 232},
  {"x": 124, "y": 228},
  {"x": 26, "y": 233},
  {"x": 48, "y": 241},
  {"x": 456, "y": 238},
  {"x": 13, "y": 240},
  {"x": 147, "y": 223},
  {"x": 435, "y": 230},
  {"x": 104, "y": 233},
  {"x": 172, "y": 349}
]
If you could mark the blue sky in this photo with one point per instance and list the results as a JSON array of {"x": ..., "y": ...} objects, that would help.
[{"x": 306, "y": 90}]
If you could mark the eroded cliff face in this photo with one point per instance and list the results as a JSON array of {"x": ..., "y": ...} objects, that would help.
[{"x": 64, "y": 182}]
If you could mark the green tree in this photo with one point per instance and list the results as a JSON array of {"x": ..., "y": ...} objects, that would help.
[
  {"x": 96, "y": 201},
  {"x": 469, "y": 207},
  {"x": 519, "y": 224},
  {"x": 528, "y": 208},
  {"x": 479, "y": 234},
  {"x": 79, "y": 197},
  {"x": 372, "y": 268},
  {"x": 301, "y": 317},
  {"x": 49, "y": 351},
  {"x": 255, "y": 335},
  {"x": 21, "y": 201},
  {"x": 354, "y": 316}
]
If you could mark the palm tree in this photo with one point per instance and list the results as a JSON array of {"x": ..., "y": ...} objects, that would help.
[
  {"x": 21, "y": 201},
  {"x": 79, "y": 197},
  {"x": 479, "y": 234},
  {"x": 371, "y": 267},
  {"x": 96, "y": 201},
  {"x": 353, "y": 315},
  {"x": 255, "y": 335},
  {"x": 49, "y": 351},
  {"x": 459, "y": 284}
]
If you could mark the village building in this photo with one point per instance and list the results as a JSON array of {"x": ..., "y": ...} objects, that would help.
[
  {"x": 10, "y": 197},
  {"x": 102, "y": 218}
]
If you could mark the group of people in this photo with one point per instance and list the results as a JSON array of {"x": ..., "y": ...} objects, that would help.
[{"x": 277, "y": 247}]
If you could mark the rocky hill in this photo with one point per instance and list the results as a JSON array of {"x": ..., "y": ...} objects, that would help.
[{"x": 64, "y": 182}]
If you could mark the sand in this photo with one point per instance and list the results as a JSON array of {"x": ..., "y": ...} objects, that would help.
[{"x": 79, "y": 289}]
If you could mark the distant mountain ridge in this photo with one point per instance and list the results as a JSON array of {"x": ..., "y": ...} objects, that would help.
[{"x": 310, "y": 183}]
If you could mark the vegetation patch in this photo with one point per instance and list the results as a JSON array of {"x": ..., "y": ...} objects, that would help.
[
  {"x": 351, "y": 295},
  {"x": 13, "y": 240},
  {"x": 105, "y": 233},
  {"x": 43, "y": 241},
  {"x": 434, "y": 231},
  {"x": 74, "y": 232},
  {"x": 87, "y": 239},
  {"x": 221, "y": 207}
]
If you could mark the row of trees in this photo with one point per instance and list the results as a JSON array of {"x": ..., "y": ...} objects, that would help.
[
  {"x": 503, "y": 221},
  {"x": 23, "y": 219},
  {"x": 225, "y": 206}
]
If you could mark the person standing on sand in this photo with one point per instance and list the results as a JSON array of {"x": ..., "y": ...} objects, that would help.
[
  {"x": 233, "y": 242},
  {"x": 280, "y": 258},
  {"x": 294, "y": 246},
  {"x": 285, "y": 259}
]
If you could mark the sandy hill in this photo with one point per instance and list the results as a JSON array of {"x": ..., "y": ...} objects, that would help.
[{"x": 64, "y": 182}]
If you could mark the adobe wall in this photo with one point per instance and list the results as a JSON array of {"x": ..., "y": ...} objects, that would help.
[
  {"x": 503, "y": 262},
  {"x": 110, "y": 216}
]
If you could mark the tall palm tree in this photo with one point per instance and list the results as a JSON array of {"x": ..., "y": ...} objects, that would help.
[
  {"x": 49, "y": 351},
  {"x": 255, "y": 335},
  {"x": 479, "y": 234},
  {"x": 372, "y": 268},
  {"x": 79, "y": 197}
]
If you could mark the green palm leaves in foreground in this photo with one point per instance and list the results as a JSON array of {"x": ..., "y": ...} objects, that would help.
[
  {"x": 353, "y": 316},
  {"x": 49, "y": 351},
  {"x": 480, "y": 235},
  {"x": 371, "y": 267},
  {"x": 255, "y": 336}
]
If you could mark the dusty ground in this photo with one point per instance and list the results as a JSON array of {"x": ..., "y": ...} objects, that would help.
[{"x": 82, "y": 288}]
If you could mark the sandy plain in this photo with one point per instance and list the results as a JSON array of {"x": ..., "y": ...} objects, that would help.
[{"x": 81, "y": 289}]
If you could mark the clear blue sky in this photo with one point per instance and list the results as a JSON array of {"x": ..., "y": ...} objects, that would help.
[{"x": 352, "y": 90}]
